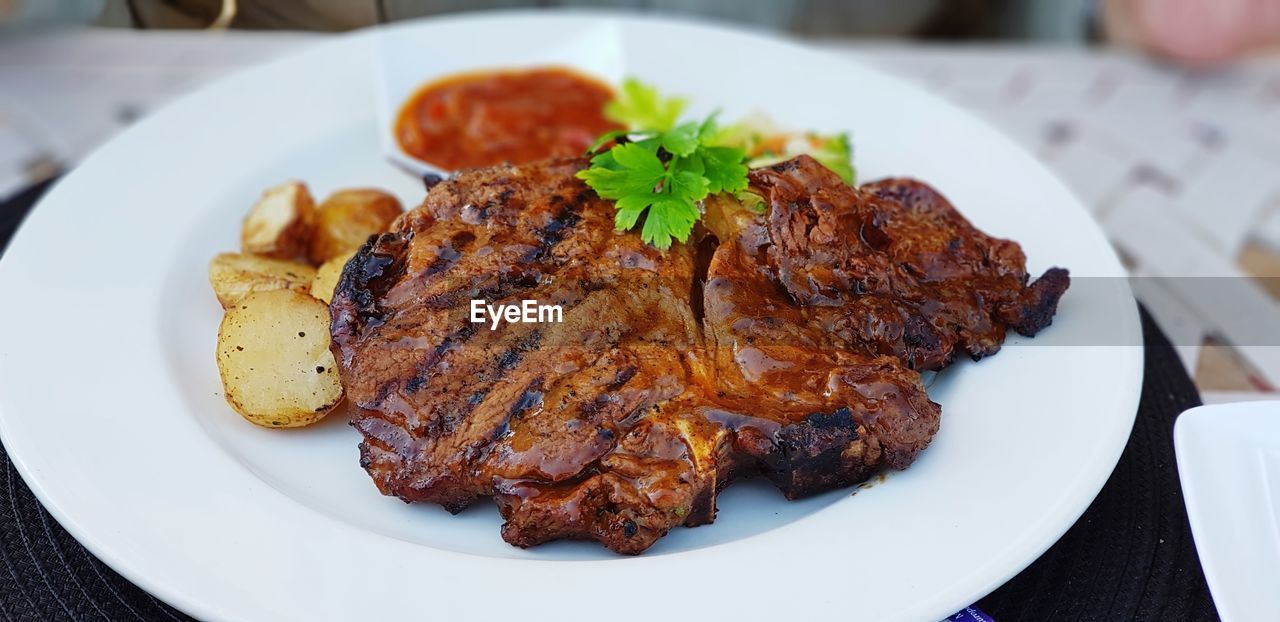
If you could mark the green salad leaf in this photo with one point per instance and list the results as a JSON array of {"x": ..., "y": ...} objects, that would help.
[
  {"x": 835, "y": 153},
  {"x": 641, "y": 109},
  {"x": 766, "y": 144}
]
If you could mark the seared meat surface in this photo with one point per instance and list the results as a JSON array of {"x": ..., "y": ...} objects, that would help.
[
  {"x": 895, "y": 267},
  {"x": 787, "y": 344}
]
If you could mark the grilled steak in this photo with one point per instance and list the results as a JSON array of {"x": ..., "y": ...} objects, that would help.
[
  {"x": 895, "y": 267},
  {"x": 787, "y": 344}
]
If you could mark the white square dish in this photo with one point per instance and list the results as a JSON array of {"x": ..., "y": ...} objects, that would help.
[{"x": 1229, "y": 464}]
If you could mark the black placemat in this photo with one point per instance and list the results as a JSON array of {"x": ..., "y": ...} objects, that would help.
[{"x": 1129, "y": 557}]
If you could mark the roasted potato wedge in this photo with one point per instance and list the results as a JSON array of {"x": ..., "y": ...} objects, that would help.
[
  {"x": 346, "y": 219},
  {"x": 273, "y": 355},
  {"x": 236, "y": 275},
  {"x": 279, "y": 224},
  {"x": 327, "y": 276}
]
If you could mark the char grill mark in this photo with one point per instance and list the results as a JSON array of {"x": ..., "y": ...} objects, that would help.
[
  {"x": 368, "y": 275},
  {"x": 784, "y": 345},
  {"x": 1035, "y": 307},
  {"x": 808, "y": 456},
  {"x": 428, "y": 365},
  {"x": 530, "y": 399},
  {"x": 551, "y": 234},
  {"x": 449, "y": 254}
]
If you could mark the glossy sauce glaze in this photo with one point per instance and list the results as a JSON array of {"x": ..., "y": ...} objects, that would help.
[
  {"x": 672, "y": 372},
  {"x": 514, "y": 116}
]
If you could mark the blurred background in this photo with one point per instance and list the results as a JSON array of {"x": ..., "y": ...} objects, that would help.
[{"x": 1162, "y": 115}]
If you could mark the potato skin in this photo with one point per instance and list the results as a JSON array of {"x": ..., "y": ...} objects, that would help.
[
  {"x": 327, "y": 276},
  {"x": 346, "y": 219},
  {"x": 236, "y": 275},
  {"x": 274, "y": 359},
  {"x": 279, "y": 223}
]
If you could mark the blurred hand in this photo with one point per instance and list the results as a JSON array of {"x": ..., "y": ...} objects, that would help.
[{"x": 1197, "y": 32}]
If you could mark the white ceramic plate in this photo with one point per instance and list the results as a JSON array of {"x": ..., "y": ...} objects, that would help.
[
  {"x": 1229, "y": 465},
  {"x": 111, "y": 407}
]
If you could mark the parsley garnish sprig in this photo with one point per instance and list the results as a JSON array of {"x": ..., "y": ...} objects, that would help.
[{"x": 661, "y": 168}]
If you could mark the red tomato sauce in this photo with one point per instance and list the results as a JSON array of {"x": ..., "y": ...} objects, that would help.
[{"x": 516, "y": 116}]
